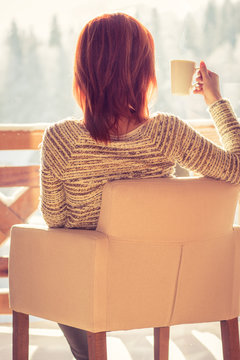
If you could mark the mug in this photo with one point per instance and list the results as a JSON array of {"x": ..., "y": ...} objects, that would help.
[{"x": 182, "y": 72}]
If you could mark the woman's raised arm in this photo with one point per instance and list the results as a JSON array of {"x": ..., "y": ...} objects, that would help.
[{"x": 196, "y": 153}]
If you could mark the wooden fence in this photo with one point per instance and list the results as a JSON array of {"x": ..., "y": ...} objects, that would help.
[
  {"x": 28, "y": 138},
  {"x": 14, "y": 176}
]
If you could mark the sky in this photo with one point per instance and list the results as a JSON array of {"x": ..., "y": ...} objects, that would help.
[{"x": 37, "y": 14}]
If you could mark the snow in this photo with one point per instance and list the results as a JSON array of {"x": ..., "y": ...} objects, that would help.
[{"x": 9, "y": 200}]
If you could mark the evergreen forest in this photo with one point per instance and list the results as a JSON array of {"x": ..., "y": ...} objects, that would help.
[{"x": 36, "y": 74}]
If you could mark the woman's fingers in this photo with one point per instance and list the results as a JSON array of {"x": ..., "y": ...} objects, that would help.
[
  {"x": 198, "y": 91},
  {"x": 204, "y": 71},
  {"x": 199, "y": 80},
  {"x": 207, "y": 84},
  {"x": 198, "y": 87}
]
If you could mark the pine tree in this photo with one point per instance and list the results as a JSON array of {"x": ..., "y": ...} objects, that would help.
[
  {"x": 236, "y": 17},
  {"x": 191, "y": 37},
  {"x": 55, "y": 33},
  {"x": 63, "y": 81},
  {"x": 35, "y": 89},
  {"x": 14, "y": 77},
  {"x": 60, "y": 76},
  {"x": 228, "y": 25},
  {"x": 210, "y": 28},
  {"x": 24, "y": 95},
  {"x": 161, "y": 65}
]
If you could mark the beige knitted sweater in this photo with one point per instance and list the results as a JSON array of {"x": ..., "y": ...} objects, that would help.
[{"x": 74, "y": 167}]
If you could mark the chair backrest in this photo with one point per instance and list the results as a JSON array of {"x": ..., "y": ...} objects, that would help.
[
  {"x": 171, "y": 247},
  {"x": 168, "y": 209}
]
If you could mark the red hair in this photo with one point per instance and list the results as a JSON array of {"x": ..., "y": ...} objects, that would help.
[{"x": 114, "y": 72}]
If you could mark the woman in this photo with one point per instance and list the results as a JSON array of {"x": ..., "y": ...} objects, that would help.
[{"x": 114, "y": 77}]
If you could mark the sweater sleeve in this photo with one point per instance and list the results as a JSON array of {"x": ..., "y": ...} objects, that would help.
[
  {"x": 53, "y": 201},
  {"x": 55, "y": 153},
  {"x": 181, "y": 143}
]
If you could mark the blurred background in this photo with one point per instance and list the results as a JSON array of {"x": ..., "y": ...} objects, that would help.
[{"x": 38, "y": 40}]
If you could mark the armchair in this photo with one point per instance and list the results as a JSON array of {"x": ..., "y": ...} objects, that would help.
[{"x": 165, "y": 252}]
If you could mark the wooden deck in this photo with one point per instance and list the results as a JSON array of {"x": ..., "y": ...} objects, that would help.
[{"x": 188, "y": 342}]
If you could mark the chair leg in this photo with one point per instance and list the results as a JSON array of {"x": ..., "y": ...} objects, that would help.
[
  {"x": 230, "y": 339},
  {"x": 20, "y": 337},
  {"x": 97, "y": 346},
  {"x": 161, "y": 343}
]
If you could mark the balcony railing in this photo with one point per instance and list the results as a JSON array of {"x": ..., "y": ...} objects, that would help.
[{"x": 29, "y": 137}]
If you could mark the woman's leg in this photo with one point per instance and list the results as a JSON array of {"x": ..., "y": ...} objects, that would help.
[{"x": 77, "y": 340}]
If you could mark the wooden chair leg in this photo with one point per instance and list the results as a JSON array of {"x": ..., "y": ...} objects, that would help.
[
  {"x": 230, "y": 339},
  {"x": 161, "y": 343},
  {"x": 97, "y": 346},
  {"x": 20, "y": 337}
]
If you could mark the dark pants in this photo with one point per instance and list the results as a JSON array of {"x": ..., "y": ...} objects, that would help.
[{"x": 77, "y": 340}]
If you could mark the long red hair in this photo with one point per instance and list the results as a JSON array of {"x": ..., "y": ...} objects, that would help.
[{"x": 114, "y": 73}]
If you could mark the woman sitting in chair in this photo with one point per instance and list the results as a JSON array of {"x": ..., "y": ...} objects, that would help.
[{"x": 114, "y": 77}]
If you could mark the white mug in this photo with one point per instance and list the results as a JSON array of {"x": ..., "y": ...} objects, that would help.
[{"x": 182, "y": 72}]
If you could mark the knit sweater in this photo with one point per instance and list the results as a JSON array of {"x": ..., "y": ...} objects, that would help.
[{"x": 74, "y": 167}]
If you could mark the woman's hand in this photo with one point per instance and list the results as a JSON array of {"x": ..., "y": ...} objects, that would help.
[{"x": 207, "y": 84}]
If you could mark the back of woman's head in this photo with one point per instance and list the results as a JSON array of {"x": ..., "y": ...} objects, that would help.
[{"x": 114, "y": 72}]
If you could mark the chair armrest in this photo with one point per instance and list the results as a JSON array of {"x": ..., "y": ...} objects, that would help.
[{"x": 52, "y": 272}]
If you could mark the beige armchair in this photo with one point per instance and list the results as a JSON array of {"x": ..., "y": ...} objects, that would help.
[{"x": 165, "y": 252}]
